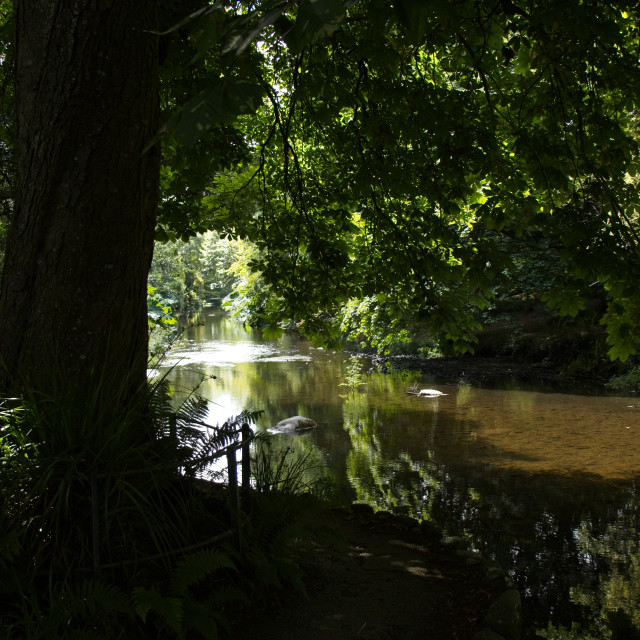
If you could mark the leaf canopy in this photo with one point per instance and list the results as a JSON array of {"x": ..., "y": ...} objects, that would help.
[{"x": 379, "y": 150}]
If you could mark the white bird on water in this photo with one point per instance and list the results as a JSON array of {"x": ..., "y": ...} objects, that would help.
[
  {"x": 425, "y": 393},
  {"x": 430, "y": 393}
]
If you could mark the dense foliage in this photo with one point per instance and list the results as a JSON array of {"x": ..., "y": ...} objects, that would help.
[
  {"x": 187, "y": 275},
  {"x": 379, "y": 154},
  {"x": 397, "y": 142}
]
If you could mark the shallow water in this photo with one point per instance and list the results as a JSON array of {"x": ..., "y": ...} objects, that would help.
[{"x": 543, "y": 482}]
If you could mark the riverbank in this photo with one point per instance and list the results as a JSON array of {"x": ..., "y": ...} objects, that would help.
[
  {"x": 382, "y": 577},
  {"x": 488, "y": 372}
]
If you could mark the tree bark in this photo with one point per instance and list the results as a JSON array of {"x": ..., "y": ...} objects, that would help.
[{"x": 73, "y": 290}]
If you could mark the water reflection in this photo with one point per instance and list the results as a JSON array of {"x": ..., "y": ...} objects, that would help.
[{"x": 543, "y": 482}]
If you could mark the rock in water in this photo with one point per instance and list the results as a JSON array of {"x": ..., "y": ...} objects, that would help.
[
  {"x": 295, "y": 423},
  {"x": 431, "y": 393}
]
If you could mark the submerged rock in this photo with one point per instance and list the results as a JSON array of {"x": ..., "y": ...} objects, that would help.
[{"x": 295, "y": 423}]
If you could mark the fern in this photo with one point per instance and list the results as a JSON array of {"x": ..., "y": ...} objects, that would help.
[
  {"x": 97, "y": 598},
  {"x": 89, "y": 609},
  {"x": 170, "y": 609},
  {"x": 203, "y": 618},
  {"x": 206, "y": 441},
  {"x": 197, "y": 566},
  {"x": 175, "y": 606}
]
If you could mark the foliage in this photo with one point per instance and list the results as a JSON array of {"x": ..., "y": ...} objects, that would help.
[
  {"x": 372, "y": 322},
  {"x": 372, "y": 151},
  {"x": 58, "y": 464},
  {"x": 560, "y": 633},
  {"x": 627, "y": 382},
  {"x": 353, "y": 374},
  {"x": 382, "y": 155},
  {"x": 434, "y": 129},
  {"x": 85, "y": 489},
  {"x": 158, "y": 312},
  {"x": 274, "y": 531},
  {"x": 280, "y": 470},
  {"x": 251, "y": 298},
  {"x": 188, "y": 275},
  {"x": 614, "y": 599},
  {"x": 193, "y": 599}
]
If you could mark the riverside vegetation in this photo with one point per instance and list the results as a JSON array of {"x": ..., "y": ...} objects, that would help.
[
  {"x": 154, "y": 553},
  {"x": 103, "y": 538},
  {"x": 377, "y": 157}
]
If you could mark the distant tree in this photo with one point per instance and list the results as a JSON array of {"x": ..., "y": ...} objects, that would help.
[{"x": 187, "y": 274}]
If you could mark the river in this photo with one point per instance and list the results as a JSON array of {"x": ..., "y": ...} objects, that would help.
[{"x": 543, "y": 482}]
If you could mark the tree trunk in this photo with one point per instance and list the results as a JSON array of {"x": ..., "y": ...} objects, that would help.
[{"x": 73, "y": 291}]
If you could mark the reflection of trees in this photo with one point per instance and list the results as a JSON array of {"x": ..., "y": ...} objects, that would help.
[
  {"x": 614, "y": 599},
  {"x": 526, "y": 522},
  {"x": 377, "y": 479}
]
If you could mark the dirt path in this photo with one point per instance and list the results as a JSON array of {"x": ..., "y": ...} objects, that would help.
[{"x": 376, "y": 580}]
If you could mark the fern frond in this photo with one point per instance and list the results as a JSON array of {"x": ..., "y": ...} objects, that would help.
[
  {"x": 235, "y": 422},
  {"x": 227, "y": 595},
  {"x": 197, "y": 566},
  {"x": 169, "y": 609},
  {"x": 204, "y": 619},
  {"x": 96, "y": 597},
  {"x": 193, "y": 409}
]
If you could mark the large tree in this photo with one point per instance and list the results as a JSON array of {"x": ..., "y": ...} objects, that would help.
[{"x": 73, "y": 297}]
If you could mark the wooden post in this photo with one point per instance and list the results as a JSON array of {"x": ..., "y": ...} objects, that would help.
[
  {"x": 246, "y": 457},
  {"x": 232, "y": 471},
  {"x": 95, "y": 532}
]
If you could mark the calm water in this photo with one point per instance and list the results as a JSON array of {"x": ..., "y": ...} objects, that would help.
[{"x": 543, "y": 482}]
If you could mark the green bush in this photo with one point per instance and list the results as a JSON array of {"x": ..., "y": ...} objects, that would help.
[{"x": 626, "y": 382}]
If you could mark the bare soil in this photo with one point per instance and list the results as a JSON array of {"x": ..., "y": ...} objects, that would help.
[{"x": 375, "y": 578}]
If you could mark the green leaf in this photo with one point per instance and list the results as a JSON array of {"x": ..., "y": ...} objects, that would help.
[
  {"x": 239, "y": 42},
  {"x": 620, "y": 352},
  {"x": 209, "y": 33},
  {"x": 414, "y": 17},
  {"x": 199, "y": 565},
  {"x": 218, "y": 104},
  {"x": 317, "y": 19},
  {"x": 567, "y": 302},
  {"x": 272, "y": 332}
]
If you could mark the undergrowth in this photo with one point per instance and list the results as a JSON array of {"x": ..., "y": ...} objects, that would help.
[
  {"x": 109, "y": 530},
  {"x": 627, "y": 382}
]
